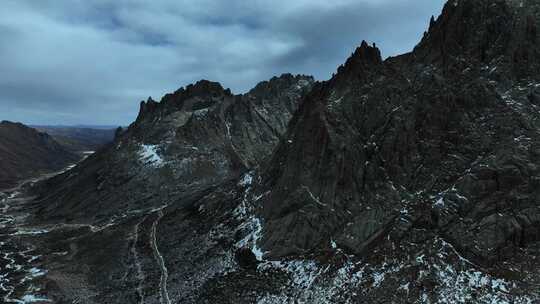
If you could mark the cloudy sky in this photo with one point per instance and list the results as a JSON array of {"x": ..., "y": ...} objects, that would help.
[{"x": 92, "y": 61}]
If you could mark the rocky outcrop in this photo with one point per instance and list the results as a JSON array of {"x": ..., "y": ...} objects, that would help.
[{"x": 26, "y": 153}]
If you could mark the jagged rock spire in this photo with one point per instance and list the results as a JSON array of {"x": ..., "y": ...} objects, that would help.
[
  {"x": 432, "y": 21},
  {"x": 148, "y": 106},
  {"x": 364, "y": 58},
  {"x": 365, "y": 55}
]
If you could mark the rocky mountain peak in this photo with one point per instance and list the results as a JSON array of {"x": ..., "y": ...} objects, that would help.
[
  {"x": 200, "y": 95},
  {"x": 277, "y": 85},
  {"x": 368, "y": 54},
  {"x": 360, "y": 65},
  {"x": 502, "y": 32},
  {"x": 203, "y": 88},
  {"x": 146, "y": 107},
  {"x": 363, "y": 57},
  {"x": 201, "y": 134}
]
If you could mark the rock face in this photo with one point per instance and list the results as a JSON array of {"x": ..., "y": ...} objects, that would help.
[
  {"x": 25, "y": 153},
  {"x": 407, "y": 180}
]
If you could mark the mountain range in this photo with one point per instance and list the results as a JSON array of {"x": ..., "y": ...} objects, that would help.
[{"x": 414, "y": 179}]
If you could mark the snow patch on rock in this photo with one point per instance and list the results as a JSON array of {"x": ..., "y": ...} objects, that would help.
[
  {"x": 250, "y": 240},
  {"x": 149, "y": 155},
  {"x": 251, "y": 223},
  {"x": 200, "y": 114},
  {"x": 439, "y": 203},
  {"x": 246, "y": 180}
]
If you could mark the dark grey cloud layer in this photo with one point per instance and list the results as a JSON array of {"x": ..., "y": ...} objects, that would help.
[{"x": 91, "y": 62}]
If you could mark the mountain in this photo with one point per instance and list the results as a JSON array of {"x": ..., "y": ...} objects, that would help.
[
  {"x": 413, "y": 179},
  {"x": 80, "y": 139},
  {"x": 193, "y": 140},
  {"x": 25, "y": 153}
]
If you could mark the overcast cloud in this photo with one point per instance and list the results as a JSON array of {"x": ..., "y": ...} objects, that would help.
[{"x": 92, "y": 61}]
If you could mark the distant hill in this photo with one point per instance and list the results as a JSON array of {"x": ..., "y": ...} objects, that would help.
[
  {"x": 98, "y": 127},
  {"x": 80, "y": 138},
  {"x": 26, "y": 152}
]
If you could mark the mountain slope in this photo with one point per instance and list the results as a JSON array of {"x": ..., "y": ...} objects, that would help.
[
  {"x": 407, "y": 180},
  {"x": 25, "y": 153}
]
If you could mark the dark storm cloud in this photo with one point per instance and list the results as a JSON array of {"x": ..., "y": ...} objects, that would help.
[{"x": 90, "y": 62}]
